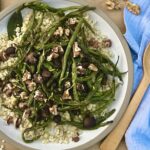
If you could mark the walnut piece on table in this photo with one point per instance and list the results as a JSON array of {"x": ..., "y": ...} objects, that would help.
[
  {"x": 116, "y": 5},
  {"x": 134, "y": 8}
]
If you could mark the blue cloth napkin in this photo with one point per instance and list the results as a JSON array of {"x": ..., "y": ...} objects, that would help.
[{"x": 138, "y": 36}]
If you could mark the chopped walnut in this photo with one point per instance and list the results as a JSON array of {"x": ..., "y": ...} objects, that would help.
[
  {"x": 8, "y": 86},
  {"x": 81, "y": 70},
  {"x": 67, "y": 84},
  {"x": 93, "y": 67},
  {"x": 66, "y": 95},
  {"x": 31, "y": 85},
  {"x": 8, "y": 89},
  {"x": 52, "y": 56},
  {"x": 39, "y": 95},
  {"x": 76, "y": 50},
  {"x": 59, "y": 31},
  {"x": 26, "y": 76},
  {"x": 134, "y": 8},
  {"x": 58, "y": 49},
  {"x": 113, "y": 4},
  {"x": 67, "y": 32},
  {"x": 53, "y": 110},
  {"x": 23, "y": 95},
  {"x": 27, "y": 113},
  {"x": 72, "y": 21},
  {"x": 22, "y": 105}
]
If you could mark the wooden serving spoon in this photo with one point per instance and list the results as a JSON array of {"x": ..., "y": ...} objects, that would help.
[{"x": 112, "y": 141}]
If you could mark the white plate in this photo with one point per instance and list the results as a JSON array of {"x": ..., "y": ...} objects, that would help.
[{"x": 119, "y": 48}]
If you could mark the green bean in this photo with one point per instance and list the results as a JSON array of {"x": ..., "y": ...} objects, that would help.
[
  {"x": 45, "y": 90},
  {"x": 86, "y": 78},
  {"x": 53, "y": 78},
  {"x": 51, "y": 45},
  {"x": 89, "y": 26},
  {"x": 95, "y": 88},
  {"x": 74, "y": 77},
  {"x": 41, "y": 60},
  {"x": 105, "y": 58},
  {"x": 31, "y": 97},
  {"x": 72, "y": 40},
  {"x": 27, "y": 131},
  {"x": 76, "y": 13},
  {"x": 99, "y": 123},
  {"x": 48, "y": 66},
  {"x": 29, "y": 29}
]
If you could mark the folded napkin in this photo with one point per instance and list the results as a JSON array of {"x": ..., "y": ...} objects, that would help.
[{"x": 138, "y": 36}]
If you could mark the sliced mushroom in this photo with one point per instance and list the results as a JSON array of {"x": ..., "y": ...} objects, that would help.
[
  {"x": 37, "y": 78},
  {"x": 8, "y": 92},
  {"x": 10, "y": 120},
  {"x": 75, "y": 139},
  {"x": 3, "y": 56},
  {"x": 10, "y": 51},
  {"x": 1, "y": 85},
  {"x": 85, "y": 64},
  {"x": 57, "y": 119},
  {"x": 76, "y": 111},
  {"x": 43, "y": 113},
  {"x": 17, "y": 122},
  {"x": 31, "y": 58},
  {"x": 106, "y": 43},
  {"x": 57, "y": 63},
  {"x": 89, "y": 122},
  {"x": 82, "y": 87},
  {"x": 46, "y": 74},
  {"x": 94, "y": 43}
]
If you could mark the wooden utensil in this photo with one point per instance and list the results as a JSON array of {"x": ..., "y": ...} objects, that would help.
[{"x": 112, "y": 141}]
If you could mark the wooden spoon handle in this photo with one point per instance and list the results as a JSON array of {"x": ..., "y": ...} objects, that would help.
[{"x": 113, "y": 139}]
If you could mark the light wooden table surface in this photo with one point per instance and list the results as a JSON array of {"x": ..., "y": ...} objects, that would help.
[{"x": 116, "y": 16}]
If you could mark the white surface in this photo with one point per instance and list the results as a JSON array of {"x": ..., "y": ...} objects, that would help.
[{"x": 86, "y": 136}]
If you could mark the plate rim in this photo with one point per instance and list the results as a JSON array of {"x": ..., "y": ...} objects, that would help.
[{"x": 127, "y": 52}]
